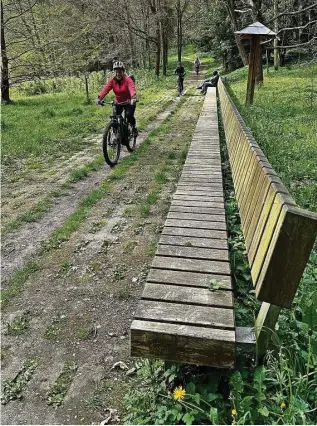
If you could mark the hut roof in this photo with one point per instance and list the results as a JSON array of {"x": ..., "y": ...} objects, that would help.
[{"x": 256, "y": 29}]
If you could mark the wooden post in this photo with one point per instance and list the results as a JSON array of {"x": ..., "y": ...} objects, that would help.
[
  {"x": 253, "y": 64},
  {"x": 264, "y": 326},
  {"x": 86, "y": 84}
]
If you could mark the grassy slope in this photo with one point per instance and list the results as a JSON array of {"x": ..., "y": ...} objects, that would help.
[
  {"x": 53, "y": 124},
  {"x": 283, "y": 120}
]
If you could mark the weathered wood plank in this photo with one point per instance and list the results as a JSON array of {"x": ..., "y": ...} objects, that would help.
[
  {"x": 192, "y": 252},
  {"x": 198, "y": 194},
  {"x": 185, "y": 278},
  {"x": 193, "y": 242},
  {"x": 195, "y": 265},
  {"x": 191, "y": 232},
  {"x": 186, "y": 344},
  {"x": 185, "y": 314},
  {"x": 195, "y": 216},
  {"x": 216, "y": 205},
  {"x": 191, "y": 295},
  {"x": 198, "y": 210},
  {"x": 287, "y": 256},
  {"x": 197, "y": 224},
  {"x": 215, "y": 186}
]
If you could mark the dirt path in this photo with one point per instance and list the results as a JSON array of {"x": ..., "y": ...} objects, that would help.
[
  {"x": 64, "y": 334},
  {"x": 21, "y": 245}
]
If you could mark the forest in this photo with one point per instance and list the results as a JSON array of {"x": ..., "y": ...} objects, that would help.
[
  {"x": 42, "y": 39},
  {"x": 78, "y": 237}
]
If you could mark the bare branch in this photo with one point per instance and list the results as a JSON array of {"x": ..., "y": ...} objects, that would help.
[
  {"x": 297, "y": 28},
  {"x": 291, "y": 13},
  {"x": 294, "y": 45},
  {"x": 22, "y": 13},
  {"x": 242, "y": 11}
]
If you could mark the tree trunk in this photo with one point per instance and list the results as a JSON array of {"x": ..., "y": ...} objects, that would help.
[
  {"x": 275, "y": 40},
  {"x": 164, "y": 32},
  {"x": 158, "y": 49},
  {"x": 257, "y": 16},
  {"x": 130, "y": 35},
  {"x": 232, "y": 14},
  {"x": 179, "y": 32},
  {"x": 5, "y": 86}
]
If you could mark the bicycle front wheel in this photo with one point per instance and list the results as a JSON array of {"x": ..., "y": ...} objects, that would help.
[
  {"x": 131, "y": 139},
  {"x": 111, "y": 145}
]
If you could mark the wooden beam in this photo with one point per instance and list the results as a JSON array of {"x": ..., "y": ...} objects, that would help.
[
  {"x": 265, "y": 325},
  {"x": 253, "y": 64}
]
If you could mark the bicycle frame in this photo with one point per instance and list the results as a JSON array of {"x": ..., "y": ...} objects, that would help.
[{"x": 120, "y": 121}]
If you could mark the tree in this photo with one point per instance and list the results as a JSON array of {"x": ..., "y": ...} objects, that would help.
[{"x": 5, "y": 87}]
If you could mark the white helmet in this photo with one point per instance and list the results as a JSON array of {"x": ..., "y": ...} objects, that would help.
[{"x": 118, "y": 65}]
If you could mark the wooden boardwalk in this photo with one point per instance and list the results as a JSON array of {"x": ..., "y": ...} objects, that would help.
[{"x": 186, "y": 310}]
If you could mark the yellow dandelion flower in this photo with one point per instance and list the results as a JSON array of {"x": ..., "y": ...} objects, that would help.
[
  {"x": 179, "y": 393},
  {"x": 283, "y": 405},
  {"x": 234, "y": 412}
]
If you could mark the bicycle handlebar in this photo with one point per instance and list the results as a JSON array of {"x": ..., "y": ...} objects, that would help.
[{"x": 103, "y": 103}]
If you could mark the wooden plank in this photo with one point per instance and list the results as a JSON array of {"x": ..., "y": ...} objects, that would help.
[
  {"x": 260, "y": 253},
  {"x": 186, "y": 344},
  {"x": 287, "y": 256},
  {"x": 197, "y": 216},
  {"x": 198, "y": 233},
  {"x": 198, "y": 210},
  {"x": 188, "y": 295},
  {"x": 198, "y": 190},
  {"x": 213, "y": 204},
  {"x": 191, "y": 279},
  {"x": 193, "y": 242},
  {"x": 200, "y": 198},
  {"x": 198, "y": 194},
  {"x": 196, "y": 224},
  {"x": 254, "y": 232},
  {"x": 185, "y": 314},
  {"x": 194, "y": 265},
  {"x": 192, "y": 252}
]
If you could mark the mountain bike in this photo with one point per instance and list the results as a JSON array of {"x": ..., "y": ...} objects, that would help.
[
  {"x": 179, "y": 85},
  {"x": 197, "y": 69},
  {"x": 117, "y": 132}
]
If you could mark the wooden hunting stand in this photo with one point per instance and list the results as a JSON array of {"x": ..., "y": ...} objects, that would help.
[{"x": 254, "y": 33}]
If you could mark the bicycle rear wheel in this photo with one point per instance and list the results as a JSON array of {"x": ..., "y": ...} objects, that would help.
[
  {"x": 179, "y": 87},
  {"x": 131, "y": 139},
  {"x": 111, "y": 145}
]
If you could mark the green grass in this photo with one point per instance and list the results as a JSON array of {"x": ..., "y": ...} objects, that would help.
[
  {"x": 16, "y": 282},
  {"x": 283, "y": 122},
  {"x": 53, "y": 124},
  {"x": 58, "y": 391},
  {"x": 19, "y": 325},
  {"x": 14, "y": 389}
]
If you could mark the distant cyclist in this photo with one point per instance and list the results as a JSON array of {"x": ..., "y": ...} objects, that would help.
[
  {"x": 197, "y": 65},
  {"x": 180, "y": 71},
  {"x": 124, "y": 90}
]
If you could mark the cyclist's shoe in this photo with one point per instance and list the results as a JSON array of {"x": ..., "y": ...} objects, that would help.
[{"x": 135, "y": 132}]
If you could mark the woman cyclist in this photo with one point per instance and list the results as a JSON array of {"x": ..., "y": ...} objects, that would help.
[
  {"x": 197, "y": 65},
  {"x": 124, "y": 90}
]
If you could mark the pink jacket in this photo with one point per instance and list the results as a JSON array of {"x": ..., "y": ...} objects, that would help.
[{"x": 124, "y": 90}]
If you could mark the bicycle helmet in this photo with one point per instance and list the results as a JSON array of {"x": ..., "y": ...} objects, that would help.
[{"x": 118, "y": 65}]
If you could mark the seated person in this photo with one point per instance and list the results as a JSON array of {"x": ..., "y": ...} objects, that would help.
[{"x": 210, "y": 82}]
